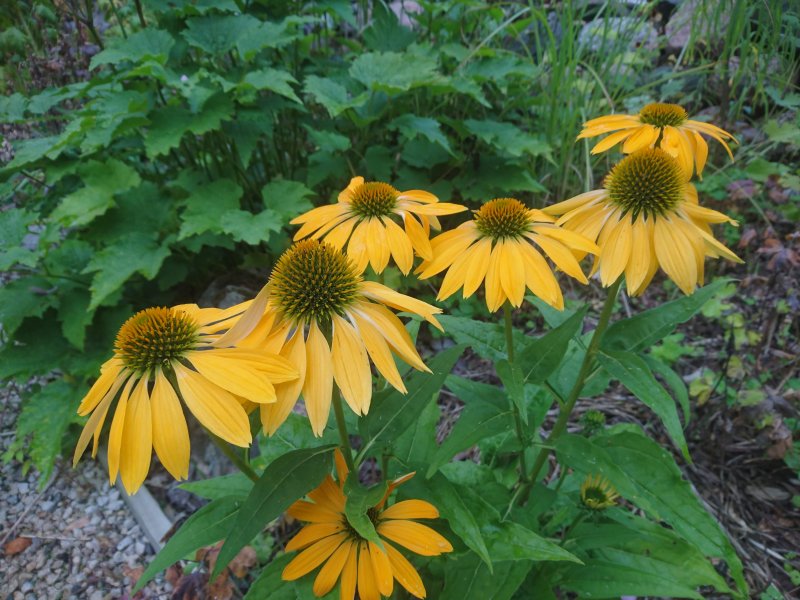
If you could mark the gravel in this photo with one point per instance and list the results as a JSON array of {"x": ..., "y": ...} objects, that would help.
[{"x": 84, "y": 543}]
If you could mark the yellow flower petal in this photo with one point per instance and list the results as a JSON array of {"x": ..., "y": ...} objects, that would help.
[
  {"x": 539, "y": 278},
  {"x": 247, "y": 322},
  {"x": 312, "y": 557},
  {"x": 233, "y": 376},
  {"x": 512, "y": 266},
  {"x": 639, "y": 260},
  {"x": 378, "y": 351},
  {"x": 382, "y": 569},
  {"x": 612, "y": 140},
  {"x": 347, "y": 588},
  {"x": 137, "y": 439},
  {"x": 393, "y": 332},
  {"x": 416, "y": 537},
  {"x": 351, "y": 366},
  {"x": 318, "y": 386},
  {"x": 357, "y": 248},
  {"x": 313, "y": 513},
  {"x": 367, "y": 585},
  {"x": 330, "y": 571},
  {"x": 411, "y": 509},
  {"x": 389, "y": 297},
  {"x": 672, "y": 251},
  {"x": 400, "y": 245},
  {"x": 616, "y": 251},
  {"x": 94, "y": 425},
  {"x": 170, "y": 433},
  {"x": 643, "y": 137},
  {"x": 108, "y": 375},
  {"x": 313, "y": 533},
  {"x": 561, "y": 256},
  {"x": 478, "y": 256},
  {"x": 495, "y": 296},
  {"x": 404, "y": 572},
  {"x": 116, "y": 431},
  {"x": 377, "y": 246},
  {"x": 341, "y": 233},
  {"x": 286, "y": 394},
  {"x": 418, "y": 236}
]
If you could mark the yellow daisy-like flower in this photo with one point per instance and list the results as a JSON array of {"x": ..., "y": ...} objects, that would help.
[
  {"x": 665, "y": 125},
  {"x": 161, "y": 354},
  {"x": 357, "y": 563},
  {"x": 318, "y": 312},
  {"x": 646, "y": 216},
  {"x": 597, "y": 493},
  {"x": 498, "y": 246},
  {"x": 365, "y": 215}
]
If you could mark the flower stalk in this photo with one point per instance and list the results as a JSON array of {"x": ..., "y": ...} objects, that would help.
[
  {"x": 523, "y": 442},
  {"x": 347, "y": 450}
]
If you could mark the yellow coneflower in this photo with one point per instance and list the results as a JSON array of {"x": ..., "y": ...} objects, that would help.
[
  {"x": 666, "y": 125},
  {"x": 498, "y": 246},
  {"x": 366, "y": 215},
  {"x": 156, "y": 350},
  {"x": 318, "y": 312},
  {"x": 597, "y": 493},
  {"x": 646, "y": 216},
  {"x": 360, "y": 564}
]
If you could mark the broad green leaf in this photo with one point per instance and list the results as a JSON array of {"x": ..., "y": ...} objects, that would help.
[
  {"x": 467, "y": 578},
  {"x": 486, "y": 339},
  {"x": 27, "y": 152},
  {"x": 641, "y": 331},
  {"x": 272, "y": 80},
  {"x": 219, "y": 34},
  {"x": 236, "y": 485},
  {"x": 206, "y": 205},
  {"x": 170, "y": 123},
  {"x": 149, "y": 43},
  {"x": 294, "y": 434},
  {"x": 331, "y": 95},
  {"x": 411, "y": 126},
  {"x": 417, "y": 444},
  {"x": 393, "y": 72},
  {"x": 252, "y": 229},
  {"x": 514, "y": 382},
  {"x": 287, "y": 198},
  {"x": 448, "y": 498},
  {"x": 393, "y": 413},
  {"x": 144, "y": 209},
  {"x": 423, "y": 154},
  {"x": 358, "y": 501},
  {"x": 646, "y": 475},
  {"x": 675, "y": 383},
  {"x": 512, "y": 541},
  {"x": 632, "y": 372},
  {"x": 485, "y": 413},
  {"x": 270, "y": 584},
  {"x": 41, "y": 424},
  {"x": 494, "y": 177},
  {"x": 28, "y": 356},
  {"x": 539, "y": 357},
  {"x": 75, "y": 316},
  {"x": 12, "y": 107},
  {"x": 23, "y": 298},
  {"x": 205, "y": 527},
  {"x": 14, "y": 225},
  {"x": 284, "y": 481},
  {"x": 101, "y": 181},
  {"x": 507, "y": 138},
  {"x": 114, "y": 265}
]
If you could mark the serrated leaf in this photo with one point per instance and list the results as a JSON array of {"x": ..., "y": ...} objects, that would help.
[
  {"x": 73, "y": 310},
  {"x": 14, "y": 224},
  {"x": 170, "y": 123},
  {"x": 358, "y": 501},
  {"x": 507, "y": 138},
  {"x": 641, "y": 331},
  {"x": 393, "y": 72},
  {"x": 206, "y": 206},
  {"x": 272, "y": 80},
  {"x": 252, "y": 229},
  {"x": 23, "y": 298},
  {"x": 284, "y": 481},
  {"x": 28, "y": 356},
  {"x": 411, "y": 126},
  {"x": 151, "y": 43},
  {"x": 205, "y": 527},
  {"x": 286, "y": 197},
  {"x": 27, "y": 152},
  {"x": 393, "y": 413},
  {"x": 633, "y": 372},
  {"x": 331, "y": 95},
  {"x": 219, "y": 34},
  {"x": 114, "y": 265},
  {"x": 101, "y": 182}
]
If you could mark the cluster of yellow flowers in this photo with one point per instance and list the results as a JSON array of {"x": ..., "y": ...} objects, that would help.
[{"x": 317, "y": 323}]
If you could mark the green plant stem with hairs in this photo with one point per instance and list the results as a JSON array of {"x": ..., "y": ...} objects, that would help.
[
  {"x": 347, "y": 450},
  {"x": 234, "y": 457},
  {"x": 509, "y": 328}
]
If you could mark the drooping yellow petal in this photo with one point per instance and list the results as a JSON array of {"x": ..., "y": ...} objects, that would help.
[
  {"x": 571, "y": 239},
  {"x": 247, "y": 322},
  {"x": 400, "y": 245},
  {"x": 318, "y": 385},
  {"x": 377, "y": 244},
  {"x": 351, "y": 366},
  {"x": 494, "y": 288},
  {"x": 215, "y": 408},
  {"x": 404, "y": 572},
  {"x": 478, "y": 256},
  {"x": 512, "y": 266},
  {"x": 539, "y": 278},
  {"x": 170, "y": 433},
  {"x": 644, "y": 137},
  {"x": 418, "y": 236},
  {"x": 435, "y": 209},
  {"x": 108, "y": 375},
  {"x": 673, "y": 253},
  {"x": 316, "y": 218},
  {"x": 382, "y": 569},
  {"x": 347, "y": 588},
  {"x": 330, "y": 571},
  {"x": 312, "y": 557},
  {"x": 273, "y": 415},
  {"x": 639, "y": 260},
  {"x": 560, "y": 255},
  {"x": 385, "y": 295},
  {"x": 346, "y": 194},
  {"x": 411, "y": 509},
  {"x": 416, "y": 537},
  {"x": 116, "y": 431},
  {"x": 393, "y": 332},
  {"x": 341, "y": 233},
  {"x": 612, "y": 140},
  {"x": 445, "y": 248},
  {"x": 367, "y": 585},
  {"x": 378, "y": 351},
  {"x": 94, "y": 425},
  {"x": 137, "y": 439},
  {"x": 456, "y": 274},
  {"x": 616, "y": 251},
  {"x": 418, "y": 195},
  {"x": 312, "y": 533},
  {"x": 233, "y": 375}
]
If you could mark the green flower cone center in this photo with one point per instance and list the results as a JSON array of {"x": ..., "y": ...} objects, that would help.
[
  {"x": 649, "y": 181},
  {"x": 155, "y": 337},
  {"x": 660, "y": 114},
  {"x": 313, "y": 281},
  {"x": 502, "y": 218},
  {"x": 374, "y": 199}
]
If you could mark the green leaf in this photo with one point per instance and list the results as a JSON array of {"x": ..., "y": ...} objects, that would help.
[
  {"x": 333, "y": 96},
  {"x": 449, "y": 499},
  {"x": 219, "y": 34},
  {"x": 514, "y": 382},
  {"x": 206, "y": 205},
  {"x": 539, "y": 357},
  {"x": 45, "y": 416},
  {"x": 28, "y": 356},
  {"x": 393, "y": 413},
  {"x": 358, "y": 501},
  {"x": 507, "y": 138},
  {"x": 14, "y": 225},
  {"x": 73, "y": 310},
  {"x": 236, "y": 485},
  {"x": 27, "y": 152},
  {"x": 149, "y": 43},
  {"x": 411, "y": 126},
  {"x": 270, "y": 584},
  {"x": 205, "y": 527},
  {"x": 468, "y": 578},
  {"x": 512, "y": 541},
  {"x": 102, "y": 181},
  {"x": 417, "y": 444},
  {"x": 641, "y": 331},
  {"x": 487, "y": 339},
  {"x": 287, "y": 198},
  {"x": 393, "y": 72},
  {"x": 486, "y": 413},
  {"x": 272, "y": 80},
  {"x": 646, "y": 475},
  {"x": 252, "y": 229},
  {"x": 170, "y": 123},
  {"x": 23, "y": 298},
  {"x": 496, "y": 176},
  {"x": 632, "y": 372},
  {"x": 675, "y": 383},
  {"x": 114, "y": 265},
  {"x": 294, "y": 434},
  {"x": 284, "y": 481}
]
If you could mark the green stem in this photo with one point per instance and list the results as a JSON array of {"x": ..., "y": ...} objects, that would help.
[
  {"x": 235, "y": 458},
  {"x": 347, "y": 451},
  {"x": 523, "y": 442},
  {"x": 586, "y": 368}
]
